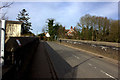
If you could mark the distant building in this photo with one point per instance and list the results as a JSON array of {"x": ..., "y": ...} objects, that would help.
[
  {"x": 71, "y": 31},
  {"x": 47, "y": 34},
  {"x": 13, "y": 28}
]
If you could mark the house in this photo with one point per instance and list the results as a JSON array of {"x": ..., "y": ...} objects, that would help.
[
  {"x": 47, "y": 34},
  {"x": 13, "y": 28},
  {"x": 71, "y": 31}
]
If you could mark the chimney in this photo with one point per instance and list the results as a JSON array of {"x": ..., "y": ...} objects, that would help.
[{"x": 74, "y": 28}]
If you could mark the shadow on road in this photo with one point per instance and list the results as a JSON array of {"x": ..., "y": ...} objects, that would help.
[
  {"x": 62, "y": 68},
  {"x": 83, "y": 62}
]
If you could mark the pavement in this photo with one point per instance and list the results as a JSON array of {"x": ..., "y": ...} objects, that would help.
[
  {"x": 39, "y": 67},
  {"x": 72, "y": 63}
]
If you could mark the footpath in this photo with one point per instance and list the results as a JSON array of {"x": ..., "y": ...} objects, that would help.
[{"x": 40, "y": 66}]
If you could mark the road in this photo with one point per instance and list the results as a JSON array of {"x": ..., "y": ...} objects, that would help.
[{"x": 72, "y": 63}]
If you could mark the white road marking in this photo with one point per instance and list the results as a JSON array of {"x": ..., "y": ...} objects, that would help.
[
  {"x": 89, "y": 64},
  {"x": 95, "y": 67},
  {"x": 108, "y": 74},
  {"x": 76, "y": 57}
]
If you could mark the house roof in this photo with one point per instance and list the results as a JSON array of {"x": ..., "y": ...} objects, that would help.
[
  {"x": 14, "y": 22},
  {"x": 70, "y": 31},
  {"x": 66, "y": 30}
]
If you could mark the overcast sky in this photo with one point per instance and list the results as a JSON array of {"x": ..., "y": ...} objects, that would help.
[{"x": 66, "y": 13}]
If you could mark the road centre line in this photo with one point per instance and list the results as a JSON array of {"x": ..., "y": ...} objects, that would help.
[
  {"x": 95, "y": 67},
  {"x": 108, "y": 74},
  {"x": 104, "y": 72},
  {"x": 76, "y": 57},
  {"x": 89, "y": 64},
  {"x": 99, "y": 69}
]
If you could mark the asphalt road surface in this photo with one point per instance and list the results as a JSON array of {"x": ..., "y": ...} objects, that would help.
[{"x": 72, "y": 63}]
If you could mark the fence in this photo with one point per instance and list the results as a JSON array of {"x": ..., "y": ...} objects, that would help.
[{"x": 18, "y": 54}]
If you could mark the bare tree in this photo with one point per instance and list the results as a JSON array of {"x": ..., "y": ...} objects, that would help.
[
  {"x": 5, "y": 5},
  {"x": 3, "y": 17},
  {"x": 43, "y": 30}
]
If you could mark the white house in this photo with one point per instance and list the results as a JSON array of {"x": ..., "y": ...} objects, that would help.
[{"x": 47, "y": 35}]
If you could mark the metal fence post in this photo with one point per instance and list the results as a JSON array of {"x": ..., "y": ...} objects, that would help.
[{"x": 2, "y": 41}]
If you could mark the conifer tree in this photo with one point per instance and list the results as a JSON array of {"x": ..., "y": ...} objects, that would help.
[{"x": 24, "y": 17}]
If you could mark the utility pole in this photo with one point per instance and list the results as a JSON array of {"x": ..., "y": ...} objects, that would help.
[{"x": 2, "y": 41}]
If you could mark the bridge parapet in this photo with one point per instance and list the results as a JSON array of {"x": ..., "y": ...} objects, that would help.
[{"x": 18, "y": 54}]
